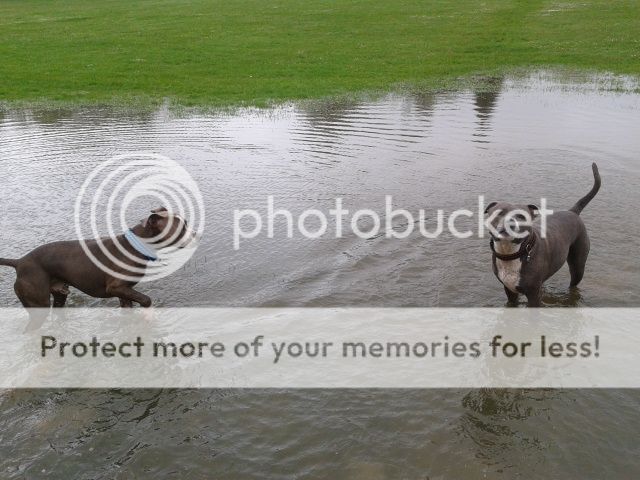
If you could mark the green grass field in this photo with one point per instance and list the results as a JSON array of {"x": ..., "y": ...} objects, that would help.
[{"x": 202, "y": 52}]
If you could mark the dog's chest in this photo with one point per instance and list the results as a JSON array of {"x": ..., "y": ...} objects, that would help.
[{"x": 509, "y": 273}]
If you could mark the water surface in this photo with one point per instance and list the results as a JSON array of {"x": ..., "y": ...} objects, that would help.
[{"x": 521, "y": 142}]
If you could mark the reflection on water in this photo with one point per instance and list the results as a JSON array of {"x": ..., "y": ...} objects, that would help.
[
  {"x": 320, "y": 434},
  {"x": 493, "y": 422},
  {"x": 427, "y": 150},
  {"x": 485, "y": 103}
]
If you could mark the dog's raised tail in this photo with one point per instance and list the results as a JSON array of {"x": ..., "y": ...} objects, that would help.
[
  {"x": 583, "y": 202},
  {"x": 9, "y": 262}
]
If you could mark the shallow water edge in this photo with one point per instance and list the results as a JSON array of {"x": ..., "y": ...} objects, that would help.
[{"x": 556, "y": 76}]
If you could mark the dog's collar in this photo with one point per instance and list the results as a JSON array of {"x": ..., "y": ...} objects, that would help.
[
  {"x": 523, "y": 251},
  {"x": 140, "y": 246}
]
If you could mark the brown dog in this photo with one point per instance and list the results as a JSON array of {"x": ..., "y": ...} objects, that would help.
[{"x": 50, "y": 269}]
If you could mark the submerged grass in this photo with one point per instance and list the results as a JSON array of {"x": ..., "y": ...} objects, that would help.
[{"x": 217, "y": 53}]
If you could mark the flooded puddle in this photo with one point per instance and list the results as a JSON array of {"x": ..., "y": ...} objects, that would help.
[
  {"x": 524, "y": 141},
  {"x": 428, "y": 152}
]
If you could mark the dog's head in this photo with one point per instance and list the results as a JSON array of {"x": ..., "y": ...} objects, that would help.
[
  {"x": 165, "y": 229},
  {"x": 510, "y": 222}
]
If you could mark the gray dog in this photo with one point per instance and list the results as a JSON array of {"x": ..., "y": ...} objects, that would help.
[
  {"x": 523, "y": 262},
  {"x": 50, "y": 269}
]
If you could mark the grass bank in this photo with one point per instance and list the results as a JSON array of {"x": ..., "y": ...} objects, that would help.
[{"x": 209, "y": 52}]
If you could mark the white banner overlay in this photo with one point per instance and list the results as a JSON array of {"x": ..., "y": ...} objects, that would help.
[{"x": 320, "y": 348}]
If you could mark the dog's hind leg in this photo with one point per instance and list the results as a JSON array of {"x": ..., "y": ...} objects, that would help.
[
  {"x": 577, "y": 259},
  {"x": 59, "y": 300},
  {"x": 33, "y": 289},
  {"x": 59, "y": 290},
  {"x": 33, "y": 292}
]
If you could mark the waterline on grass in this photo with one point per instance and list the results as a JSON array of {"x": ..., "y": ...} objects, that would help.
[{"x": 554, "y": 78}]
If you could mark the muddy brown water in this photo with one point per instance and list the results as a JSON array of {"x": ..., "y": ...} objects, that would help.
[{"x": 527, "y": 140}]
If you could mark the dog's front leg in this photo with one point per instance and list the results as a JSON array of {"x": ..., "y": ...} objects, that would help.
[
  {"x": 127, "y": 294},
  {"x": 534, "y": 297},
  {"x": 512, "y": 298},
  {"x": 124, "y": 303}
]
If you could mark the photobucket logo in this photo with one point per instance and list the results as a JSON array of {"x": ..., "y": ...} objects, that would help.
[
  {"x": 160, "y": 243},
  {"x": 314, "y": 223}
]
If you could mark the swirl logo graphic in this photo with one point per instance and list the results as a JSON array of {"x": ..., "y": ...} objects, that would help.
[{"x": 128, "y": 182}]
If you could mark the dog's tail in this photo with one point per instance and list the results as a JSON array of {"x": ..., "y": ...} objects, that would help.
[
  {"x": 580, "y": 204},
  {"x": 9, "y": 262}
]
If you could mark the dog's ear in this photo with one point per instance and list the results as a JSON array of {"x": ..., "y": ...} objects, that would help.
[
  {"x": 152, "y": 221},
  {"x": 534, "y": 210},
  {"x": 490, "y": 206}
]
